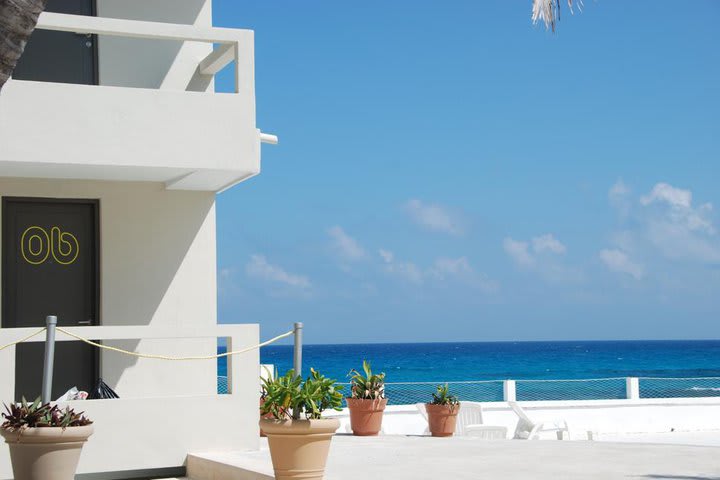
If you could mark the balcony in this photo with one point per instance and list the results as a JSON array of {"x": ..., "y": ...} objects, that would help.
[
  {"x": 141, "y": 432},
  {"x": 174, "y": 134}
]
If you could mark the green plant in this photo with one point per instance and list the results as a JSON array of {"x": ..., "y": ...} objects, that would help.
[
  {"x": 290, "y": 397},
  {"x": 18, "y": 417},
  {"x": 367, "y": 385},
  {"x": 442, "y": 396}
]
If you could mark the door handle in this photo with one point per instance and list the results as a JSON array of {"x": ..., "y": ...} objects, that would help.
[{"x": 84, "y": 322}]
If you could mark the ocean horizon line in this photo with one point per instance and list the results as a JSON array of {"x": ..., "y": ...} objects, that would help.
[{"x": 474, "y": 342}]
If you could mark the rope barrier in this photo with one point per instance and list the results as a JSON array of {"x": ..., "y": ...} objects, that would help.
[
  {"x": 150, "y": 355},
  {"x": 170, "y": 357},
  {"x": 25, "y": 339}
]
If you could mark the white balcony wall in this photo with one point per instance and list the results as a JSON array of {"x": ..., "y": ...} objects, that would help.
[
  {"x": 123, "y": 446},
  {"x": 145, "y": 63},
  {"x": 154, "y": 118},
  {"x": 189, "y": 140},
  {"x": 157, "y": 268}
]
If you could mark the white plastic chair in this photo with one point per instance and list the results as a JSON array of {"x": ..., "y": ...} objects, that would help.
[
  {"x": 470, "y": 422},
  {"x": 528, "y": 429}
]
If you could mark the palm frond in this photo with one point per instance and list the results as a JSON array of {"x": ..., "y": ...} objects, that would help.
[{"x": 548, "y": 11}]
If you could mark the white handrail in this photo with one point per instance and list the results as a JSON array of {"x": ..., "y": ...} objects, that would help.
[
  {"x": 234, "y": 44},
  {"x": 140, "y": 29}
]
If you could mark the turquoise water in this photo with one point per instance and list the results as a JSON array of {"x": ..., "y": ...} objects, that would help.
[{"x": 526, "y": 362}]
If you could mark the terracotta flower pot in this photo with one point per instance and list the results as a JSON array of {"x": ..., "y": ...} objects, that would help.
[
  {"x": 299, "y": 448},
  {"x": 442, "y": 419},
  {"x": 46, "y": 453},
  {"x": 366, "y": 415}
]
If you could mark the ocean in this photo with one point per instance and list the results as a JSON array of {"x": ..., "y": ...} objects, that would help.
[{"x": 666, "y": 368}]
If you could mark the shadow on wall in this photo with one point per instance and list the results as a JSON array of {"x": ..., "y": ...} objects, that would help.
[
  {"x": 158, "y": 264},
  {"x": 150, "y": 63}
]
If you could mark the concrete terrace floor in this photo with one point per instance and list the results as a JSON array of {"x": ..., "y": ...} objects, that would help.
[{"x": 409, "y": 457}]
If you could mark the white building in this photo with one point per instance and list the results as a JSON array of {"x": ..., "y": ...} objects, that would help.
[{"x": 113, "y": 146}]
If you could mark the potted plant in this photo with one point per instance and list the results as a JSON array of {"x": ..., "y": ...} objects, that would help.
[
  {"x": 263, "y": 394},
  {"x": 45, "y": 442},
  {"x": 366, "y": 401},
  {"x": 442, "y": 412},
  {"x": 298, "y": 437}
]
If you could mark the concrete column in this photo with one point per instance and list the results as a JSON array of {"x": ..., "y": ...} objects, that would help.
[
  {"x": 632, "y": 388},
  {"x": 509, "y": 394}
]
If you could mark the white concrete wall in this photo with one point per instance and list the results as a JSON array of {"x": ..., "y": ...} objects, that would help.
[
  {"x": 128, "y": 62},
  {"x": 168, "y": 130},
  {"x": 141, "y": 434},
  {"x": 158, "y": 267},
  {"x": 189, "y": 140}
]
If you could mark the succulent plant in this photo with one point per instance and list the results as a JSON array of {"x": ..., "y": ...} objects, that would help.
[
  {"x": 290, "y": 397},
  {"x": 367, "y": 385},
  {"x": 442, "y": 396},
  {"x": 24, "y": 415}
]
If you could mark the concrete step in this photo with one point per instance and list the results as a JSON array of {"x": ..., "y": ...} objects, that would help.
[{"x": 229, "y": 466}]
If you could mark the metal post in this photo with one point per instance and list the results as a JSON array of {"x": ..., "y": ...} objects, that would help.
[
  {"x": 297, "y": 353},
  {"x": 51, "y": 323},
  {"x": 297, "y": 358}
]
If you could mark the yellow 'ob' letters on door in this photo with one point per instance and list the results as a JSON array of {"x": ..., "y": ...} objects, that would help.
[{"x": 36, "y": 245}]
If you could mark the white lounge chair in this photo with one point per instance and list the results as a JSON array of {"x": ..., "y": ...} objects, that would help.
[
  {"x": 528, "y": 429},
  {"x": 470, "y": 422}
]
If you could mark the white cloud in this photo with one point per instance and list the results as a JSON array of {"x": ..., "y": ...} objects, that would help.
[
  {"x": 444, "y": 269},
  {"x": 258, "y": 267},
  {"x": 451, "y": 266},
  {"x": 618, "y": 261},
  {"x": 433, "y": 217},
  {"x": 548, "y": 243},
  {"x": 346, "y": 246},
  {"x": 225, "y": 282},
  {"x": 619, "y": 190},
  {"x": 678, "y": 242},
  {"x": 518, "y": 251},
  {"x": 405, "y": 270},
  {"x": 619, "y": 196},
  {"x": 679, "y": 208},
  {"x": 678, "y": 229},
  {"x": 459, "y": 269},
  {"x": 666, "y": 222},
  {"x": 662, "y": 192},
  {"x": 386, "y": 255},
  {"x": 542, "y": 258}
]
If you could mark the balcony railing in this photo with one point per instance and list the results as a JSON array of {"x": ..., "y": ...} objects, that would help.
[
  {"x": 168, "y": 426},
  {"x": 233, "y": 45},
  {"x": 237, "y": 337}
]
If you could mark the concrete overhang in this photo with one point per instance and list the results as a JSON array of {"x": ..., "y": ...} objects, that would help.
[{"x": 188, "y": 140}]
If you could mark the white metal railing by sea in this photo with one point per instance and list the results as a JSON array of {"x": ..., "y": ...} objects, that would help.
[
  {"x": 659, "y": 387},
  {"x": 232, "y": 44},
  {"x": 616, "y": 388},
  {"x": 573, "y": 389}
]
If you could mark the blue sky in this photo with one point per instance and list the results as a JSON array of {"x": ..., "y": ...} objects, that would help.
[{"x": 449, "y": 172}]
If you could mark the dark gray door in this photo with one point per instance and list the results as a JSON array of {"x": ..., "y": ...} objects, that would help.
[
  {"x": 50, "y": 267},
  {"x": 63, "y": 57}
]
